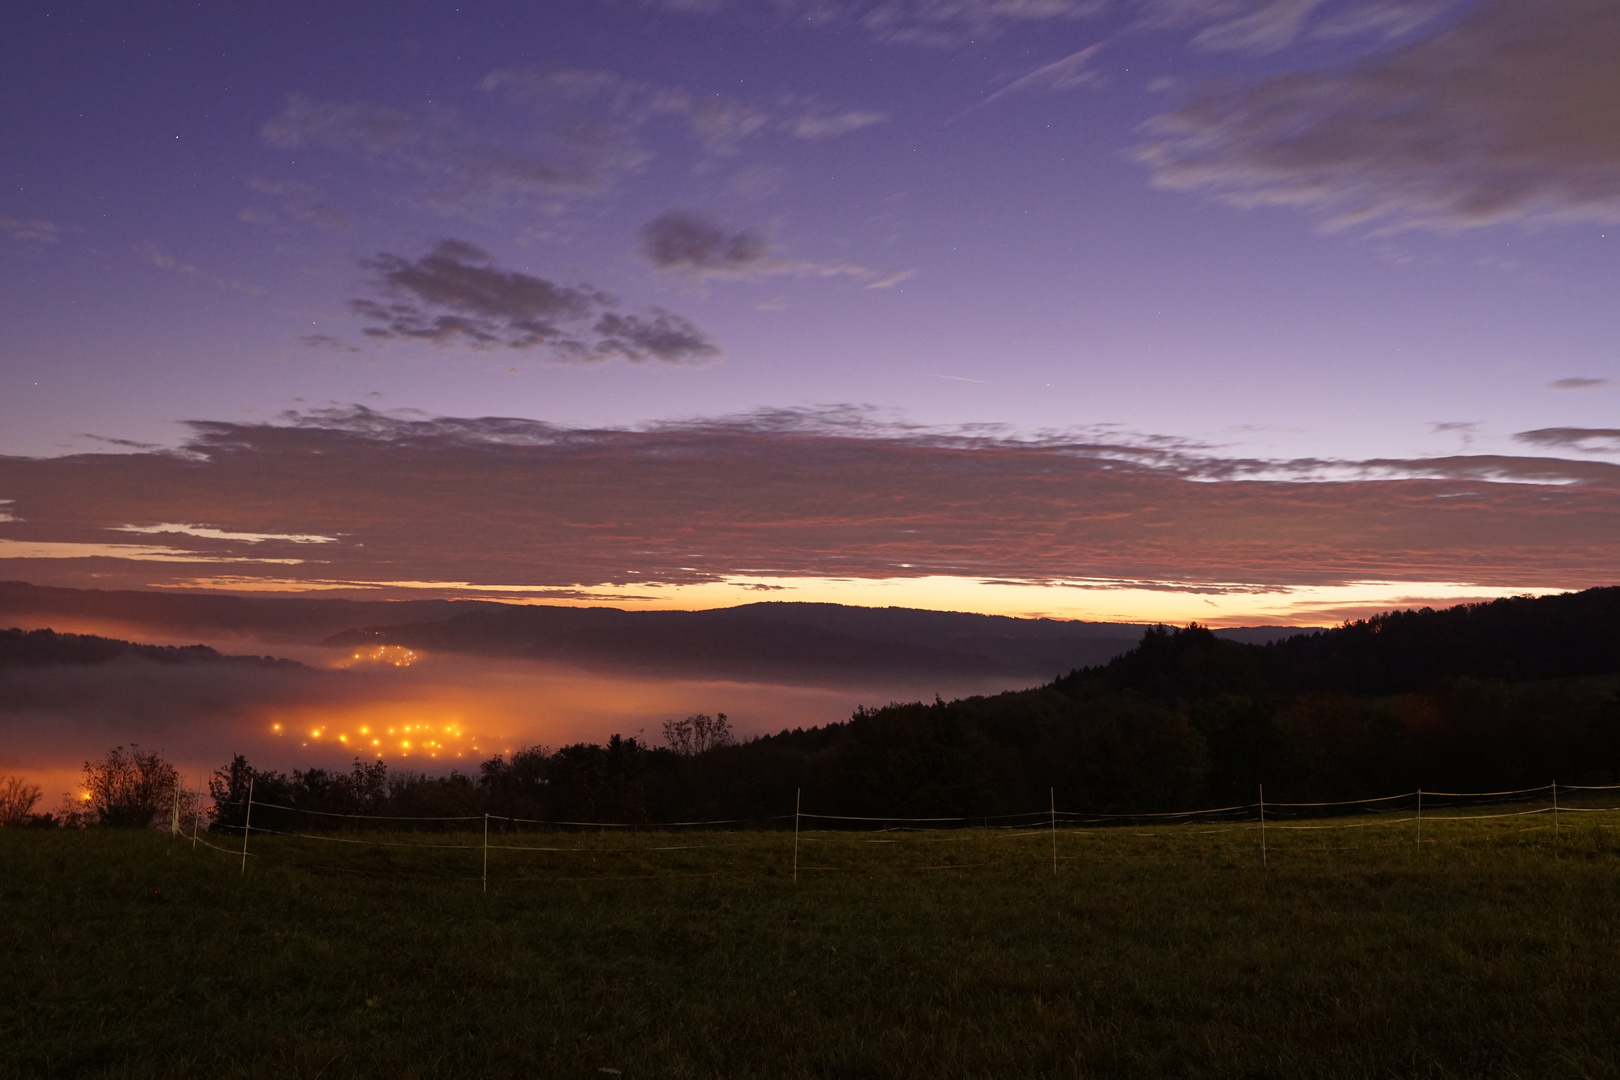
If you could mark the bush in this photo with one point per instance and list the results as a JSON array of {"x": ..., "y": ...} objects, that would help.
[
  {"x": 127, "y": 789},
  {"x": 17, "y": 800}
]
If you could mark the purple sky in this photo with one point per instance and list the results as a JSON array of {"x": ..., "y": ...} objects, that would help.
[{"x": 1233, "y": 309}]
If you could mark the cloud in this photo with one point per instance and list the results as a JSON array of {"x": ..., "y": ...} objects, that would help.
[
  {"x": 55, "y": 549},
  {"x": 936, "y": 23},
  {"x": 684, "y": 242},
  {"x": 209, "y": 533},
  {"x": 680, "y": 240},
  {"x": 1267, "y": 28},
  {"x": 1464, "y": 430},
  {"x": 1580, "y": 440},
  {"x": 571, "y": 133},
  {"x": 1259, "y": 27},
  {"x": 1071, "y": 71},
  {"x": 299, "y": 202},
  {"x": 1505, "y": 116},
  {"x": 526, "y": 507},
  {"x": 1579, "y": 383},
  {"x": 657, "y": 335},
  {"x": 164, "y": 261},
  {"x": 618, "y": 109},
  {"x": 462, "y": 168},
  {"x": 1253, "y": 26},
  {"x": 456, "y": 295},
  {"x": 352, "y": 126},
  {"x": 1389, "y": 18},
  {"x": 815, "y": 124},
  {"x": 32, "y": 231}
]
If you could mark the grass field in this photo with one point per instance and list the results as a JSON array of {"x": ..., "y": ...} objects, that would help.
[{"x": 1490, "y": 951}]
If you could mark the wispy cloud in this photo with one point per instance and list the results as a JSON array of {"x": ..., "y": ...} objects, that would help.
[
  {"x": 569, "y": 133},
  {"x": 1071, "y": 71},
  {"x": 614, "y": 109},
  {"x": 1505, "y": 116},
  {"x": 1269, "y": 27},
  {"x": 1580, "y": 382},
  {"x": 936, "y": 23},
  {"x": 816, "y": 123},
  {"x": 1254, "y": 26},
  {"x": 1579, "y": 439},
  {"x": 59, "y": 549},
  {"x": 298, "y": 202},
  {"x": 30, "y": 231},
  {"x": 459, "y": 166},
  {"x": 209, "y": 533}
]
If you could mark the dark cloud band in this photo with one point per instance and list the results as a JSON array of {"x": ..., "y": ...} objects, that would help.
[{"x": 785, "y": 494}]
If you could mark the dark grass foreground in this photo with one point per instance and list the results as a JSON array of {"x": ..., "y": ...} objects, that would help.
[{"x": 1492, "y": 952}]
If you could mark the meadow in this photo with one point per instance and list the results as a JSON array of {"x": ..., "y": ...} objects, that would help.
[{"x": 1489, "y": 950}]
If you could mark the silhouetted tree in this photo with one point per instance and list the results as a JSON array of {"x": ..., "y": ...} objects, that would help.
[
  {"x": 698, "y": 733},
  {"x": 17, "y": 800},
  {"x": 128, "y": 789}
]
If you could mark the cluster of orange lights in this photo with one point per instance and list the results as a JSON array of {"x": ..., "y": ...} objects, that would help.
[
  {"x": 432, "y": 740},
  {"x": 385, "y": 655}
]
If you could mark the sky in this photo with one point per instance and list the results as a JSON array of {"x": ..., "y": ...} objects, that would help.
[{"x": 1228, "y": 310}]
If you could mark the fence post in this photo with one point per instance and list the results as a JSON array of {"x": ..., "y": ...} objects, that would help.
[
  {"x": 486, "y": 851},
  {"x": 1053, "y": 793},
  {"x": 1262, "y": 825},
  {"x": 798, "y": 795},
  {"x": 196, "y": 817},
  {"x": 1420, "y": 819},
  {"x": 174, "y": 820},
  {"x": 1555, "y": 809},
  {"x": 247, "y": 823}
]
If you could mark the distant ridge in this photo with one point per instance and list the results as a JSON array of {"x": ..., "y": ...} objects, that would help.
[
  {"x": 762, "y": 640},
  {"x": 780, "y": 639},
  {"x": 298, "y": 619},
  {"x": 47, "y": 648}
]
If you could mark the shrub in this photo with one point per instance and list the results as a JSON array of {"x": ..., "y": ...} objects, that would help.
[
  {"x": 127, "y": 789},
  {"x": 17, "y": 800}
]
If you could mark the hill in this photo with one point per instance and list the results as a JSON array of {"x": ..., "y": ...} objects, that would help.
[
  {"x": 815, "y": 642},
  {"x": 291, "y": 619},
  {"x": 47, "y": 648},
  {"x": 776, "y": 640}
]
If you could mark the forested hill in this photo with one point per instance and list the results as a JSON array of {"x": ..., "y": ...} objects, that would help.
[
  {"x": 46, "y": 648},
  {"x": 1518, "y": 639}
]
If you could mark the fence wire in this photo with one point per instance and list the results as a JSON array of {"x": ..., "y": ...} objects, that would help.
[{"x": 533, "y": 849}]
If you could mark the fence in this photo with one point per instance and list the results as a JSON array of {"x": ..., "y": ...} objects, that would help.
[{"x": 1399, "y": 821}]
